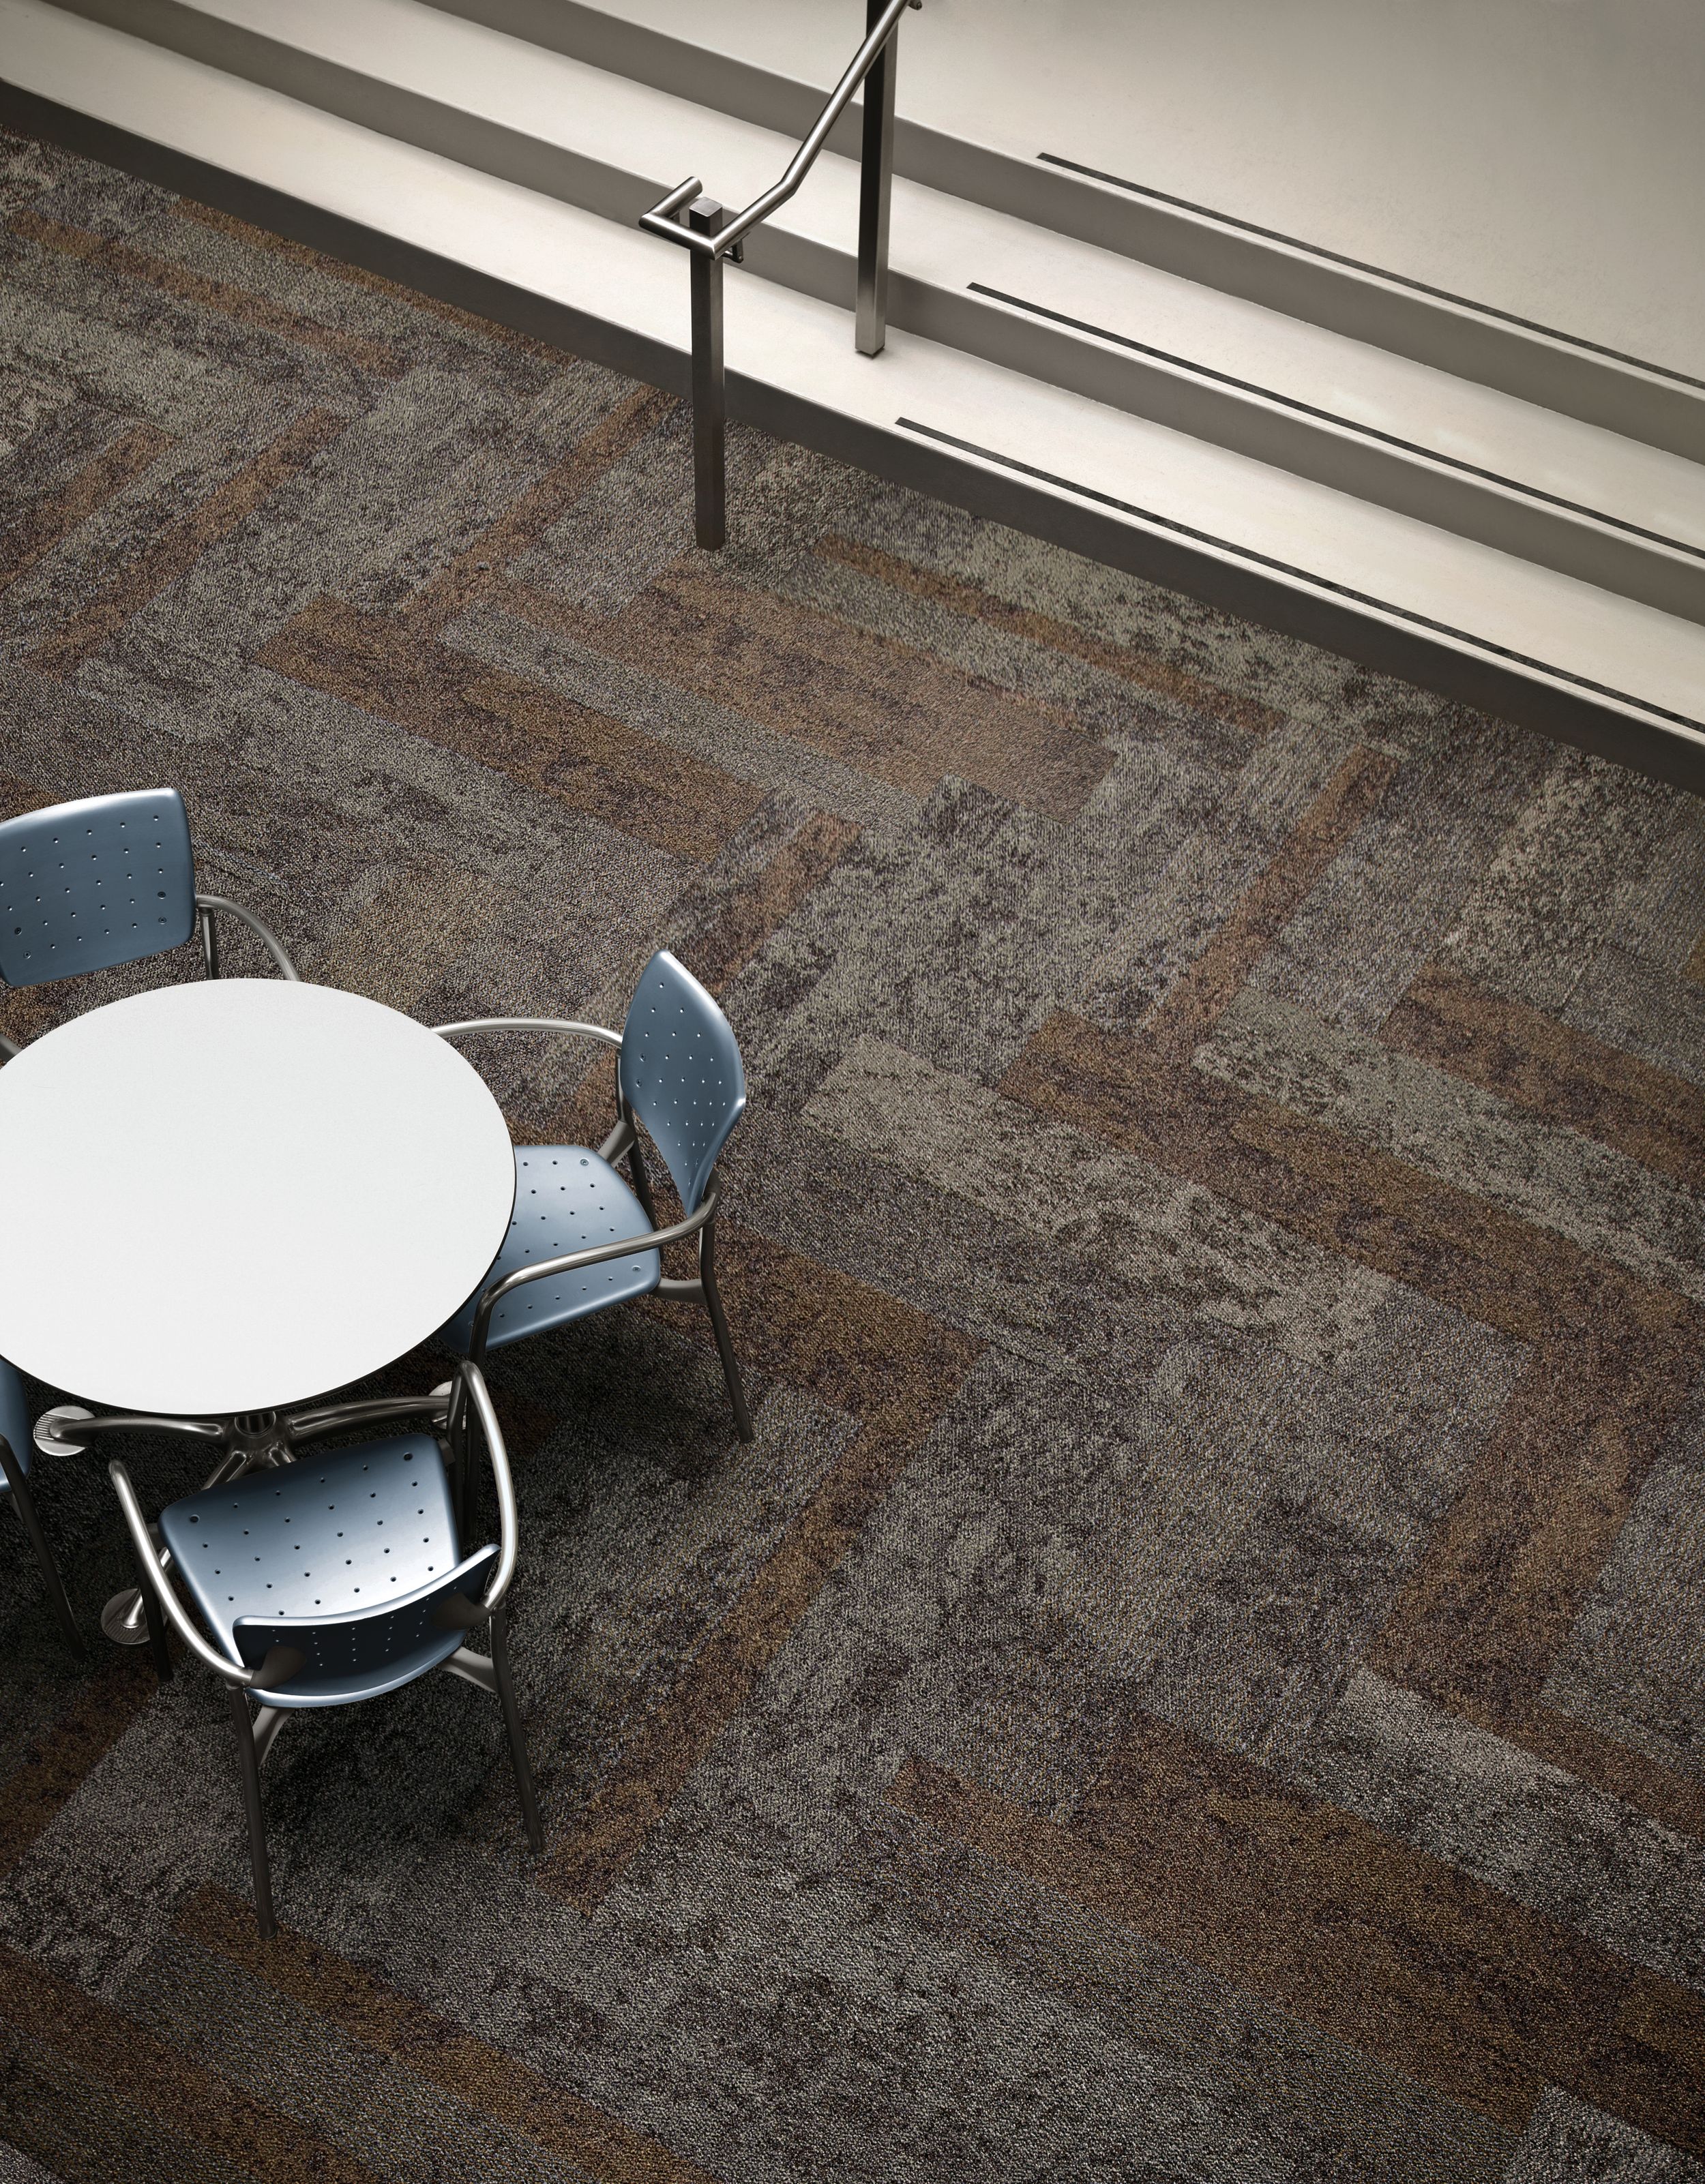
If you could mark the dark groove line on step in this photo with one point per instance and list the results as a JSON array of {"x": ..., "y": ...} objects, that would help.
[
  {"x": 1379, "y": 272},
  {"x": 1247, "y": 554},
  {"x": 1346, "y": 424}
]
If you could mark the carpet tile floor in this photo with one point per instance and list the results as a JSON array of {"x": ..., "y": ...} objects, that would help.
[{"x": 1200, "y": 1674}]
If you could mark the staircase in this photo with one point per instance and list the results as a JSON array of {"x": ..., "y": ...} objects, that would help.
[{"x": 1454, "y": 493}]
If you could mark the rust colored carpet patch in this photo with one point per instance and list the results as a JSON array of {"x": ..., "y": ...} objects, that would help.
[{"x": 884, "y": 707}]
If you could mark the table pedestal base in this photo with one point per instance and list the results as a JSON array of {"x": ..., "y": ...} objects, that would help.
[{"x": 125, "y": 1619}]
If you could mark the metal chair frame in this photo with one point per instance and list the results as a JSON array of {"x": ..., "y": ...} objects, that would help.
[
  {"x": 17, "y": 1479},
  {"x": 273, "y": 1445},
  {"x": 208, "y": 909},
  {"x": 623, "y": 1141},
  {"x": 207, "y": 904}
]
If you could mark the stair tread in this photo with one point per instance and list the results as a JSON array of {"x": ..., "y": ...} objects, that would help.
[
  {"x": 782, "y": 338},
  {"x": 1543, "y": 161},
  {"x": 658, "y": 138}
]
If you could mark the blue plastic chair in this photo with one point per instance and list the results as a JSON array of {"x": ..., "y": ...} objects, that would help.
[
  {"x": 15, "y": 1456},
  {"x": 105, "y": 880},
  {"x": 580, "y": 1239},
  {"x": 332, "y": 1578}
]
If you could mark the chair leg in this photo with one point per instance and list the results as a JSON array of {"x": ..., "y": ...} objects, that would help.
[
  {"x": 724, "y": 1348},
  {"x": 461, "y": 1499},
  {"x": 248, "y": 1767},
  {"x": 467, "y": 1484},
  {"x": 25, "y": 1502},
  {"x": 642, "y": 1178},
  {"x": 157, "y": 1628},
  {"x": 506, "y": 1700}
]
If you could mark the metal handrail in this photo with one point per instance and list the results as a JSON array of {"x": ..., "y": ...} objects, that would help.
[
  {"x": 728, "y": 239},
  {"x": 711, "y": 236}
]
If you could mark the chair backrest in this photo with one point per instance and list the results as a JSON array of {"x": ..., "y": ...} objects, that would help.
[
  {"x": 360, "y": 1641},
  {"x": 14, "y": 1420},
  {"x": 680, "y": 1072},
  {"x": 85, "y": 886}
]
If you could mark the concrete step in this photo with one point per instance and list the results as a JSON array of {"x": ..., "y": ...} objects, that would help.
[
  {"x": 1576, "y": 499},
  {"x": 1508, "y": 193},
  {"x": 1500, "y": 632}
]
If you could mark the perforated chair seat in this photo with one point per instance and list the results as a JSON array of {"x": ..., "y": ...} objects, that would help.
[
  {"x": 361, "y": 1541},
  {"x": 14, "y": 1422},
  {"x": 566, "y": 1199}
]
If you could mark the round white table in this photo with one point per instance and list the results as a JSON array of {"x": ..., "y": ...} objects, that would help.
[{"x": 224, "y": 1197}]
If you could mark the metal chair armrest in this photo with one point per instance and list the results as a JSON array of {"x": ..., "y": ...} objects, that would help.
[
  {"x": 531, "y": 1023},
  {"x": 509, "y": 1534},
  {"x": 625, "y": 1247},
  {"x": 269, "y": 939},
  {"x": 8, "y": 1047},
  {"x": 622, "y": 1136},
  {"x": 153, "y": 1575}
]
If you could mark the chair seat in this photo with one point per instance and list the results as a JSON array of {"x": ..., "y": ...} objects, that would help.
[
  {"x": 14, "y": 1422},
  {"x": 328, "y": 1535},
  {"x": 566, "y": 1199}
]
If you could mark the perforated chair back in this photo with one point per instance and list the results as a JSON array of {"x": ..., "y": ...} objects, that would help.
[
  {"x": 87, "y": 886},
  {"x": 359, "y": 1544},
  {"x": 680, "y": 1072},
  {"x": 362, "y": 1651},
  {"x": 14, "y": 1422}
]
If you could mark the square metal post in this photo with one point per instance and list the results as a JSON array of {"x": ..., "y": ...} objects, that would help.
[
  {"x": 710, "y": 395},
  {"x": 875, "y": 173}
]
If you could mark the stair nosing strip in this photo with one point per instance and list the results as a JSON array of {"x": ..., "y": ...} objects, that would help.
[
  {"x": 1252, "y": 555},
  {"x": 1350, "y": 424},
  {"x": 1376, "y": 272}
]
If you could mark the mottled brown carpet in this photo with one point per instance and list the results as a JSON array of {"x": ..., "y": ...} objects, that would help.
[{"x": 1200, "y": 1674}]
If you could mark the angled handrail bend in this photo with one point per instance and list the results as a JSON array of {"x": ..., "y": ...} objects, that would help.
[{"x": 726, "y": 243}]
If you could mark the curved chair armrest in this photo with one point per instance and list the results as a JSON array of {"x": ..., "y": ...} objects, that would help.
[
  {"x": 269, "y": 939},
  {"x": 624, "y": 1247},
  {"x": 531, "y": 1024},
  {"x": 622, "y": 1136},
  {"x": 280, "y": 1664},
  {"x": 509, "y": 1535}
]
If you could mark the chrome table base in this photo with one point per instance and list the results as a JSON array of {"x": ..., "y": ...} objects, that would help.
[{"x": 124, "y": 1619}]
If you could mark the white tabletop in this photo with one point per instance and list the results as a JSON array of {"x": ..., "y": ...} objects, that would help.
[{"x": 233, "y": 1194}]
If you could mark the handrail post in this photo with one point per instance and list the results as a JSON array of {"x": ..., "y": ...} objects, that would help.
[
  {"x": 711, "y": 236},
  {"x": 875, "y": 189},
  {"x": 707, "y": 216}
]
